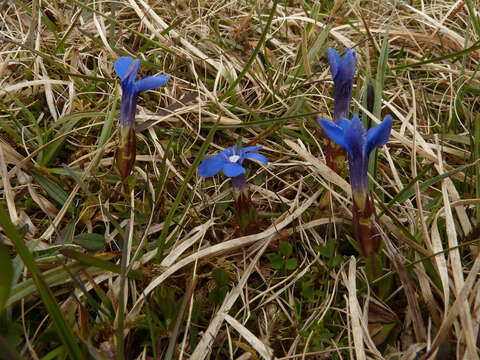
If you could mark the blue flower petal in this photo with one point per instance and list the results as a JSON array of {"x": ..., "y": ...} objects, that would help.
[
  {"x": 346, "y": 70},
  {"x": 225, "y": 154},
  {"x": 334, "y": 60},
  {"x": 243, "y": 152},
  {"x": 343, "y": 123},
  {"x": 355, "y": 138},
  {"x": 121, "y": 66},
  {"x": 210, "y": 166},
  {"x": 379, "y": 135},
  {"x": 131, "y": 74},
  {"x": 257, "y": 156},
  {"x": 232, "y": 169},
  {"x": 350, "y": 59},
  {"x": 334, "y": 132},
  {"x": 152, "y": 82},
  {"x": 251, "y": 148}
]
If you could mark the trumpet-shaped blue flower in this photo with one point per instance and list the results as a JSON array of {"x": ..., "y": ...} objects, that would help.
[
  {"x": 230, "y": 161},
  {"x": 127, "y": 69},
  {"x": 352, "y": 136},
  {"x": 343, "y": 71}
]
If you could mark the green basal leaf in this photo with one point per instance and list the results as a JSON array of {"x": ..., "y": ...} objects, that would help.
[{"x": 91, "y": 242}]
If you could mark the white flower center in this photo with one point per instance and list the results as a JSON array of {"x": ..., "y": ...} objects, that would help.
[{"x": 234, "y": 158}]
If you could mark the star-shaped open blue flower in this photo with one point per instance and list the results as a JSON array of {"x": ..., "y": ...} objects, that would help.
[
  {"x": 230, "y": 161},
  {"x": 127, "y": 69},
  {"x": 343, "y": 71},
  {"x": 352, "y": 136}
]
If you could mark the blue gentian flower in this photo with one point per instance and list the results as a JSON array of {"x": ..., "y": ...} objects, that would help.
[
  {"x": 127, "y": 69},
  {"x": 343, "y": 71},
  {"x": 230, "y": 161},
  {"x": 352, "y": 136}
]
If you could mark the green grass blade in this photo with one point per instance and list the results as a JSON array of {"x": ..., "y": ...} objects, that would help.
[
  {"x": 7, "y": 352},
  {"x": 68, "y": 122},
  {"x": 313, "y": 54},
  {"x": 191, "y": 171},
  {"x": 120, "y": 335},
  {"x": 181, "y": 313},
  {"x": 120, "y": 24},
  {"x": 253, "y": 56},
  {"x": 266, "y": 122},
  {"x": 28, "y": 115},
  {"x": 108, "y": 125},
  {"x": 52, "y": 277},
  {"x": 97, "y": 262},
  {"x": 6, "y": 276},
  {"x": 474, "y": 19},
  {"x": 75, "y": 176},
  {"x": 107, "y": 129},
  {"x": 65, "y": 333},
  {"x": 61, "y": 44},
  {"x": 408, "y": 190},
  {"x": 457, "y": 54},
  {"x": 378, "y": 91},
  {"x": 5, "y": 125},
  {"x": 476, "y": 156},
  {"x": 381, "y": 69},
  {"x": 52, "y": 189}
]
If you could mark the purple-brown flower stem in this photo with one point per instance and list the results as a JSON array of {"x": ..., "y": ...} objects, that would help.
[
  {"x": 245, "y": 212},
  {"x": 365, "y": 231},
  {"x": 125, "y": 154}
]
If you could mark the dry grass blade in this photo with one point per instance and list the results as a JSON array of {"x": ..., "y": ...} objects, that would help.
[
  {"x": 191, "y": 49},
  {"x": 203, "y": 347},
  {"x": 456, "y": 263},
  {"x": 440, "y": 262},
  {"x": 456, "y": 309},
  {"x": 175, "y": 106},
  {"x": 324, "y": 170},
  {"x": 354, "y": 311},
  {"x": 264, "y": 351},
  {"x": 414, "y": 308},
  {"x": 50, "y": 230},
  {"x": 7, "y": 188},
  {"x": 221, "y": 248},
  {"x": 41, "y": 201},
  {"x": 20, "y": 86},
  {"x": 10, "y": 154}
]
